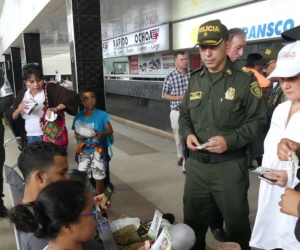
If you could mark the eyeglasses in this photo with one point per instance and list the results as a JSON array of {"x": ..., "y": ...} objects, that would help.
[
  {"x": 95, "y": 212},
  {"x": 267, "y": 64}
]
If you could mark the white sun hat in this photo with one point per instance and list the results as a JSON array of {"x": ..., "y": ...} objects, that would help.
[{"x": 288, "y": 61}]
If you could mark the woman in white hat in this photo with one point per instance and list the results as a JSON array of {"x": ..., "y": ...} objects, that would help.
[{"x": 273, "y": 229}]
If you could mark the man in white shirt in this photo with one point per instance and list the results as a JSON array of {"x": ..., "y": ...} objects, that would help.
[{"x": 57, "y": 77}]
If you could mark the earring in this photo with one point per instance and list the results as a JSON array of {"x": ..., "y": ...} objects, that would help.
[{"x": 70, "y": 231}]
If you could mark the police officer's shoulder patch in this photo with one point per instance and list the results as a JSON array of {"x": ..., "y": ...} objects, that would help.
[
  {"x": 256, "y": 89},
  {"x": 283, "y": 98},
  {"x": 243, "y": 69},
  {"x": 197, "y": 70}
]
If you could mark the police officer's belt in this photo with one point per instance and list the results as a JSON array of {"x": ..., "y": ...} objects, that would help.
[{"x": 204, "y": 156}]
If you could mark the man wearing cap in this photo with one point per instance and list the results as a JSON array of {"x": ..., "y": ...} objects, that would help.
[
  {"x": 252, "y": 66},
  {"x": 223, "y": 110},
  {"x": 268, "y": 61},
  {"x": 235, "y": 50},
  {"x": 173, "y": 90}
]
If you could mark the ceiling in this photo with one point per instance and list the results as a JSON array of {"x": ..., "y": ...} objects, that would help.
[
  {"x": 116, "y": 21},
  {"x": 169, "y": 10}
]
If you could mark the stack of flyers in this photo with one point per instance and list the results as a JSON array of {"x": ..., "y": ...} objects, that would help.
[
  {"x": 154, "y": 228},
  {"x": 263, "y": 170},
  {"x": 164, "y": 241}
]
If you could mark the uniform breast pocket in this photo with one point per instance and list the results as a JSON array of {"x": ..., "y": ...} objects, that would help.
[
  {"x": 194, "y": 109},
  {"x": 229, "y": 113}
]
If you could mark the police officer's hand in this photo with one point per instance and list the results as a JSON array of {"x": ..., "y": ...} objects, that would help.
[
  {"x": 216, "y": 144},
  {"x": 192, "y": 142},
  {"x": 289, "y": 202},
  {"x": 285, "y": 146}
]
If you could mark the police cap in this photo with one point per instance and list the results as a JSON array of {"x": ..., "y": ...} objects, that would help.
[
  {"x": 271, "y": 53},
  {"x": 212, "y": 33}
]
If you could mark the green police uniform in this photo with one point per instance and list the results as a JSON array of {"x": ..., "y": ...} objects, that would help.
[
  {"x": 5, "y": 103},
  {"x": 231, "y": 106},
  {"x": 276, "y": 97}
]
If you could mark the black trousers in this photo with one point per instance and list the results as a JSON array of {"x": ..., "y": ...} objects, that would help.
[{"x": 216, "y": 220}]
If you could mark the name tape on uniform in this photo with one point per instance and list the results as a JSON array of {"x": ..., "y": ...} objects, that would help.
[{"x": 195, "y": 95}]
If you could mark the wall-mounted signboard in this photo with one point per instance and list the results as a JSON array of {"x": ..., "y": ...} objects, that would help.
[
  {"x": 142, "y": 42},
  {"x": 270, "y": 20}
]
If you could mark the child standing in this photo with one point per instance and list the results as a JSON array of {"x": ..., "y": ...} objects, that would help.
[{"x": 92, "y": 152}]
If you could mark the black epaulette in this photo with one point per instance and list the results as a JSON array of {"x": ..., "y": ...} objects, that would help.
[
  {"x": 197, "y": 70},
  {"x": 243, "y": 69}
]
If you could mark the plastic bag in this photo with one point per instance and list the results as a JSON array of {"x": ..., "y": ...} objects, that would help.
[
  {"x": 121, "y": 223},
  {"x": 84, "y": 129}
]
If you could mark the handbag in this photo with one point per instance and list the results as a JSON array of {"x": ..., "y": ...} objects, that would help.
[{"x": 54, "y": 131}]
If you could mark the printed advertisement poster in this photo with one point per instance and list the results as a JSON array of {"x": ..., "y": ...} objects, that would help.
[
  {"x": 195, "y": 61},
  {"x": 150, "y": 64},
  {"x": 168, "y": 62},
  {"x": 134, "y": 67}
]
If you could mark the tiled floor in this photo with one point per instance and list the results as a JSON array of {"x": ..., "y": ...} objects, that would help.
[{"x": 145, "y": 174}]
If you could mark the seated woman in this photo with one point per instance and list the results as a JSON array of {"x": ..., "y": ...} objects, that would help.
[
  {"x": 273, "y": 229},
  {"x": 30, "y": 103},
  {"x": 67, "y": 218}
]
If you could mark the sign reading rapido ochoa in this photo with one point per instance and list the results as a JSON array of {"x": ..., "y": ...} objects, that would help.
[{"x": 141, "y": 42}]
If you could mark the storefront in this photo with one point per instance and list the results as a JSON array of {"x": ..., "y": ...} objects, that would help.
[
  {"x": 263, "y": 22},
  {"x": 135, "y": 93},
  {"x": 135, "y": 66}
]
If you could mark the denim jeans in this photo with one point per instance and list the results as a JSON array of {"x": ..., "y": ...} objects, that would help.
[{"x": 31, "y": 139}]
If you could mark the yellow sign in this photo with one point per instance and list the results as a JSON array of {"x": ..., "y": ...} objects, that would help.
[
  {"x": 256, "y": 89},
  {"x": 230, "y": 94},
  {"x": 194, "y": 2},
  {"x": 195, "y": 95},
  {"x": 194, "y": 34}
]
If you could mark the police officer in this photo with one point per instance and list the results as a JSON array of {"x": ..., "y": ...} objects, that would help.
[
  {"x": 6, "y": 100},
  {"x": 276, "y": 96},
  {"x": 222, "y": 108}
]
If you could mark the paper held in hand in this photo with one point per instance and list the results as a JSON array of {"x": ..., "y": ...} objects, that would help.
[
  {"x": 155, "y": 225},
  {"x": 263, "y": 170},
  {"x": 164, "y": 241}
]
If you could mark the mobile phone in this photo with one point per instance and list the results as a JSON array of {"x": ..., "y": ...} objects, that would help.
[
  {"x": 262, "y": 177},
  {"x": 107, "y": 194}
]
